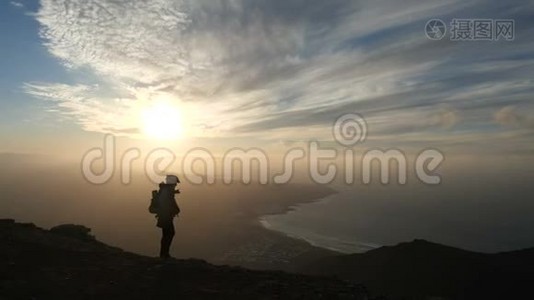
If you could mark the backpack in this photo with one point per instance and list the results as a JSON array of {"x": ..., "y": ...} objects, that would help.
[{"x": 153, "y": 208}]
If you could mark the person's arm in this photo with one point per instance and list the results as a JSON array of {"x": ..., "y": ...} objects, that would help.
[{"x": 176, "y": 208}]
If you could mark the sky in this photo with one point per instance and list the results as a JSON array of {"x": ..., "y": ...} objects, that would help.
[{"x": 262, "y": 72}]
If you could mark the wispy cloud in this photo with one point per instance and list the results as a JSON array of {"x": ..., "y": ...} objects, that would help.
[
  {"x": 276, "y": 67},
  {"x": 510, "y": 116},
  {"x": 16, "y": 4}
]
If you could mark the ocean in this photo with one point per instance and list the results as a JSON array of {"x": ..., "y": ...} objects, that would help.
[{"x": 469, "y": 212}]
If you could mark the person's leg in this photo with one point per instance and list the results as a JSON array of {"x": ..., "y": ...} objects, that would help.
[
  {"x": 162, "y": 243},
  {"x": 166, "y": 239}
]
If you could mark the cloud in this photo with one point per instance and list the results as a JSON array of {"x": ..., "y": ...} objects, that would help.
[
  {"x": 138, "y": 41},
  {"x": 444, "y": 118},
  {"x": 274, "y": 68},
  {"x": 509, "y": 116},
  {"x": 83, "y": 105},
  {"x": 16, "y": 4}
]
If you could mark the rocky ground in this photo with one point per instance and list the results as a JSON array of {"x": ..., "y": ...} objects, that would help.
[{"x": 67, "y": 263}]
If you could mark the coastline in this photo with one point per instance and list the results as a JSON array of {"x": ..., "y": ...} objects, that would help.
[
  {"x": 281, "y": 223},
  {"x": 259, "y": 247}
]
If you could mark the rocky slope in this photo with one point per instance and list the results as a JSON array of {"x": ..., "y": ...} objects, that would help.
[{"x": 67, "y": 263}]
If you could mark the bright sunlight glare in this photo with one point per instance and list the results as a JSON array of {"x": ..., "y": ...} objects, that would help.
[{"x": 162, "y": 121}]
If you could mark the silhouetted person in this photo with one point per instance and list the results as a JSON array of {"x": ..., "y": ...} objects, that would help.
[{"x": 164, "y": 206}]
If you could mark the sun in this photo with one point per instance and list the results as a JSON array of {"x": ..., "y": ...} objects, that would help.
[{"x": 163, "y": 121}]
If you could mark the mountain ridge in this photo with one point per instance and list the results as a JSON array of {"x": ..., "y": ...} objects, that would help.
[
  {"x": 421, "y": 270},
  {"x": 67, "y": 263}
]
